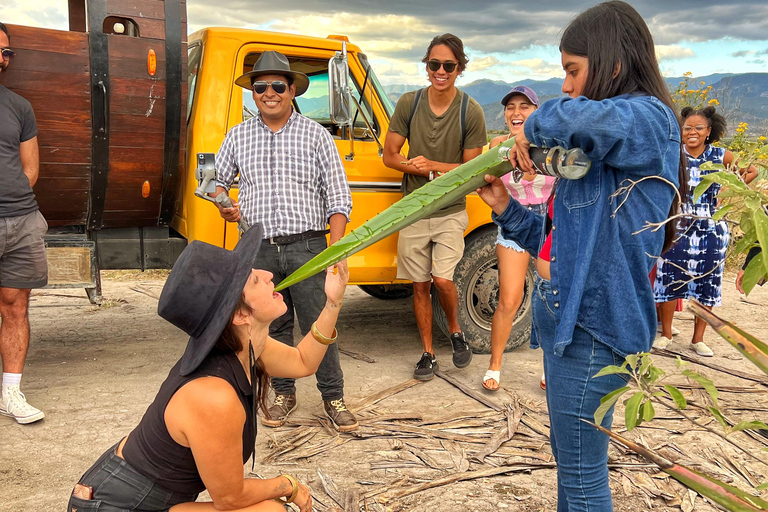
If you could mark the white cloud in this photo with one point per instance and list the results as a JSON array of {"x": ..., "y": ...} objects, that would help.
[
  {"x": 482, "y": 63},
  {"x": 673, "y": 52}
]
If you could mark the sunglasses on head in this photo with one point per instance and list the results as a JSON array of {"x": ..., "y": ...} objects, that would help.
[
  {"x": 260, "y": 86},
  {"x": 7, "y": 53},
  {"x": 434, "y": 65}
]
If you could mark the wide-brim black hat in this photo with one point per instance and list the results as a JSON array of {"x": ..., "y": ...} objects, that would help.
[
  {"x": 202, "y": 291},
  {"x": 274, "y": 63}
]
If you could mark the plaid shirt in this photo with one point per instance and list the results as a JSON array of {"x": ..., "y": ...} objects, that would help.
[{"x": 291, "y": 181}]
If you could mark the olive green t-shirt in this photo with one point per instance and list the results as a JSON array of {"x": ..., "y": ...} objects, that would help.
[{"x": 437, "y": 138}]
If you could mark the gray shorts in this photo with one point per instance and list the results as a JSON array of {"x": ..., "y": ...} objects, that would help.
[{"x": 22, "y": 251}]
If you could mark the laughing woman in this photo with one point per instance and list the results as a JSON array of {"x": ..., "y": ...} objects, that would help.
[
  {"x": 532, "y": 191},
  {"x": 201, "y": 428},
  {"x": 593, "y": 304}
]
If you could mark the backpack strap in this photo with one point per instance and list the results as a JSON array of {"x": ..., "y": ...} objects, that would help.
[
  {"x": 416, "y": 100},
  {"x": 463, "y": 117}
]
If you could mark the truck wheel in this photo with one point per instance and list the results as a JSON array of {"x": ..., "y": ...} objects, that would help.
[
  {"x": 477, "y": 281},
  {"x": 388, "y": 291}
]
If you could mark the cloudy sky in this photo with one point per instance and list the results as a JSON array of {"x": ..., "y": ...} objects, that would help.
[{"x": 506, "y": 40}]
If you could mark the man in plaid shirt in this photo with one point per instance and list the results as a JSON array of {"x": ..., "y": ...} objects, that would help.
[{"x": 293, "y": 182}]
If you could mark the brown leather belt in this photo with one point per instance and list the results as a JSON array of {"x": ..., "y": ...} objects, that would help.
[{"x": 289, "y": 239}]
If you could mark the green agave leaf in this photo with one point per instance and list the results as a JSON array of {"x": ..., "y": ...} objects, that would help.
[
  {"x": 761, "y": 229},
  {"x": 707, "y": 384},
  {"x": 632, "y": 411},
  {"x": 607, "y": 402},
  {"x": 611, "y": 370},
  {"x": 750, "y": 347},
  {"x": 426, "y": 200}
]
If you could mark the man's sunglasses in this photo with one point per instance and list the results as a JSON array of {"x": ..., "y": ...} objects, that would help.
[
  {"x": 434, "y": 65},
  {"x": 7, "y": 53},
  {"x": 260, "y": 86}
]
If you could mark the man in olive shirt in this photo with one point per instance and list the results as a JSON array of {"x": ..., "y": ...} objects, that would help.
[
  {"x": 22, "y": 249},
  {"x": 444, "y": 128}
]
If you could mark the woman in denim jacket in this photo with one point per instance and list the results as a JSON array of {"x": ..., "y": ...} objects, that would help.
[{"x": 593, "y": 302}]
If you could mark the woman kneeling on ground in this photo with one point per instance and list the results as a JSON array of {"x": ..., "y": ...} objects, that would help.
[{"x": 201, "y": 427}]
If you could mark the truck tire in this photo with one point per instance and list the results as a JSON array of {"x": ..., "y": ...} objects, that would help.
[
  {"x": 388, "y": 291},
  {"x": 477, "y": 281}
]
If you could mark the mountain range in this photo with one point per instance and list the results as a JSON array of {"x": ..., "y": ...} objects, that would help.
[{"x": 742, "y": 97}]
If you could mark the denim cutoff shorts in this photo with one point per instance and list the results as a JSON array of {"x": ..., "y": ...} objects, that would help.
[
  {"x": 118, "y": 487},
  {"x": 540, "y": 208}
]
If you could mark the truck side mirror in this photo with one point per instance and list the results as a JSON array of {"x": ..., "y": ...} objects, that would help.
[{"x": 338, "y": 88}]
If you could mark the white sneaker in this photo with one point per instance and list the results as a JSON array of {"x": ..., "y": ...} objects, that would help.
[
  {"x": 675, "y": 330},
  {"x": 14, "y": 404},
  {"x": 661, "y": 341},
  {"x": 701, "y": 349}
]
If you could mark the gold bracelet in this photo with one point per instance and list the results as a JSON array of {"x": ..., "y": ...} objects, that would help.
[
  {"x": 322, "y": 339},
  {"x": 294, "y": 489}
]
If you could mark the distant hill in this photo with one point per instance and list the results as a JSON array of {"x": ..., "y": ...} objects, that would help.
[{"x": 744, "y": 97}]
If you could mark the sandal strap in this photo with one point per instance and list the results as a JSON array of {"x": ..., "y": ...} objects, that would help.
[{"x": 492, "y": 374}]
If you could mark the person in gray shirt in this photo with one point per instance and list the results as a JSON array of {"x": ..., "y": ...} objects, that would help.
[{"x": 23, "y": 264}]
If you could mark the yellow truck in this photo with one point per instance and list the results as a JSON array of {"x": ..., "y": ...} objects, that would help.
[{"x": 148, "y": 210}]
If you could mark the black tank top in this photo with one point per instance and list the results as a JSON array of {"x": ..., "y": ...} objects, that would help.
[{"x": 151, "y": 450}]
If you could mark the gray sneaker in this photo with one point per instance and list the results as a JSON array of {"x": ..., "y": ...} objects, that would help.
[
  {"x": 276, "y": 415},
  {"x": 462, "y": 354},
  {"x": 14, "y": 404}
]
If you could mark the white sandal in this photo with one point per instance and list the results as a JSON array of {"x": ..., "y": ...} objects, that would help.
[
  {"x": 492, "y": 375},
  {"x": 701, "y": 349}
]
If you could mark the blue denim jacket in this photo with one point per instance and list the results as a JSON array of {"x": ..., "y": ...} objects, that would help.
[{"x": 599, "y": 268}]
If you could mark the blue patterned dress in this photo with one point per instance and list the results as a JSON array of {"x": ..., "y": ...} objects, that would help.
[{"x": 693, "y": 267}]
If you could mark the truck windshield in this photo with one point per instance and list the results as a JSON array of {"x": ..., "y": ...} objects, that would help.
[
  {"x": 194, "y": 56},
  {"x": 385, "y": 101}
]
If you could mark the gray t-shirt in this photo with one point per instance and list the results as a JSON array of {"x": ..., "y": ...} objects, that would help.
[{"x": 17, "y": 125}]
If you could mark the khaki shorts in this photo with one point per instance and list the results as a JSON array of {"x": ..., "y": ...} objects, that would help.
[
  {"x": 431, "y": 247},
  {"x": 22, "y": 251}
]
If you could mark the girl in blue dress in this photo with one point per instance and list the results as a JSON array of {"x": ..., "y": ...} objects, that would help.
[{"x": 693, "y": 267}]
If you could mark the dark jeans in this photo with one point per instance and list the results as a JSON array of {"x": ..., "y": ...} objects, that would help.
[
  {"x": 581, "y": 451},
  {"x": 117, "y": 487},
  {"x": 308, "y": 299}
]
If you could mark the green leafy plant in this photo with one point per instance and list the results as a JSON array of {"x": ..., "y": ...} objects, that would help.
[{"x": 651, "y": 387}]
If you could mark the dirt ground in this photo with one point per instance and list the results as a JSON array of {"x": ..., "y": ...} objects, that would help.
[{"x": 94, "y": 371}]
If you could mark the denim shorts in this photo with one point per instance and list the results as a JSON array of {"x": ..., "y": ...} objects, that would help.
[
  {"x": 118, "y": 487},
  {"x": 511, "y": 244}
]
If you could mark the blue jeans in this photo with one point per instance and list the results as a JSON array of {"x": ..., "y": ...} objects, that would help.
[
  {"x": 581, "y": 451},
  {"x": 308, "y": 298}
]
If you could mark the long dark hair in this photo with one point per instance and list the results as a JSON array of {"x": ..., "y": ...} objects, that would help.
[
  {"x": 229, "y": 342},
  {"x": 715, "y": 121},
  {"x": 613, "y": 36}
]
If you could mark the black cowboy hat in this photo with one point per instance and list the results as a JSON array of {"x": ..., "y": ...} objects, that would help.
[
  {"x": 202, "y": 291},
  {"x": 274, "y": 63}
]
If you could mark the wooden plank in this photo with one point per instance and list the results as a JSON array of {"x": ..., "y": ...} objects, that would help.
[
  {"x": 34, "y": 60},
  {"x": 137, "y": 8},
  {"x": 64, "y": 170},
  {"x": 136, "y": 155},
  {"x": 75, "y": 84},
  {"x": 134, "y": 140},
  {"x": 71, "y": 137},
  {"x": 69, "y": 265},
  {"x": 63, "y": 155},
  {"x": 49, "y": 40},
  {"x": 129, "y": 123},
  {"x": 133, "y": 87},
  {"x": 142, "y": 106},
  {"x": 128, "y": 57}
]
